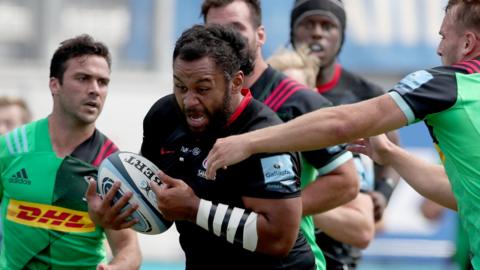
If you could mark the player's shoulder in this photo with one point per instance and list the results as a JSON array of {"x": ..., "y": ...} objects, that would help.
[
  {"x": 471, "y": 66},
  {"x": 357, "y": 82},
  {"x": 25, "y": 138},
  {"x": 164, "y": 108},
  {"x": 311, "y": 98},
  {"x": 260, "y": 116}
]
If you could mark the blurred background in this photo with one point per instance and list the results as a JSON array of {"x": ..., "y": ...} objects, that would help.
[{"x": 385, "y": 40}]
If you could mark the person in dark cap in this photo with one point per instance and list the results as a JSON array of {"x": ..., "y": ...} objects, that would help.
[{"x": 320, "y": 25}]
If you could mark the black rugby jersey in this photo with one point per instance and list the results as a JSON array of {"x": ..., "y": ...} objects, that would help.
[
  {"x": 181, "y": 154},
  {"x": 290, "y": 99},
  {"x": 345, "y": 88}
]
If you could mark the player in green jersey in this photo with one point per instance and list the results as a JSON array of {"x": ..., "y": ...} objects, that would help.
[
  {"x": 446, "y": 98},
  {"x": 45, "y": 167}
]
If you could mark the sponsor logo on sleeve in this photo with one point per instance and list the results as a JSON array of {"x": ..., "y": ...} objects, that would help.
[
  {"x": 413, "y": 81},
  {"x": 277, "y": 168}
]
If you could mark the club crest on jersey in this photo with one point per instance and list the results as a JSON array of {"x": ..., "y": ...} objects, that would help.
[
  {"x": 413, "y": 81},
  {"x": 203, "y": 173}
]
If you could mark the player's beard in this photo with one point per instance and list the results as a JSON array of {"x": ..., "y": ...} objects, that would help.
[{"x": 220, "y": 117}]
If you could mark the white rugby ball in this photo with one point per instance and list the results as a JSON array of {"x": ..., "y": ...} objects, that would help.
[{"x": 135, "y": 173}]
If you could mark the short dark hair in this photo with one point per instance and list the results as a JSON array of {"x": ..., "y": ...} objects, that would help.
[
  {"x": 468, "y": 13},
  {"x": 223, "y": 44},
  {"x": 75, "y": 47},
  {"x": 253, "y": 5}
]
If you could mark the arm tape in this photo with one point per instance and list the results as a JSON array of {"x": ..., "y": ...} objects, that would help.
[
  {"x": 385, "y": 186},
  {"x": 235, "y": 224}
]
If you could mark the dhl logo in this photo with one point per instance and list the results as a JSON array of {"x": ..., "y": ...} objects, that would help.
[{"x": 49, "y": 217}]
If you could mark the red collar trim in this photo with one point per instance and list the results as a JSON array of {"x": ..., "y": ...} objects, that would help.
[
  {"x": 333, "y": 82},
  {"x": 247, "y": 97}
]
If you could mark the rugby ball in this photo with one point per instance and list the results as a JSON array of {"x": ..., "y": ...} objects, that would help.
[{"x": 135, "y": 173}]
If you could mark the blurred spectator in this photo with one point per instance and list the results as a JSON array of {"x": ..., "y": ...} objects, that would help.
[
  {"x": 14, "y": 112},
  {"x": 296, "y": 65}
]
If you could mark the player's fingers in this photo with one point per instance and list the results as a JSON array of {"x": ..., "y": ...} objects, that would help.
[
  {"x": 359, "y": 141},
  {"x": 156, "y": 188},
  {"x": 212, "y": 166},
  {"x": 129, "y": 224},
  {"x": 167, "y": 180},
  {"x": 91, "y": 192},
  {"x": 108, "y": 198},
  {"x": 357, "y": 149},
  {"x": 120, "y": 203},
  {"x": 123, "y": 216}
]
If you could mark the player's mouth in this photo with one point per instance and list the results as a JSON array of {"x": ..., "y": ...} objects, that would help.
[
  {"x": 316, "y": 47},
  {"x": 92, "y": 105},
  {"x": 197, "y": 120}
]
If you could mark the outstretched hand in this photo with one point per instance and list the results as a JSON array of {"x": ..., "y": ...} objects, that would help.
[
  {"x": 106, "y": 214},
  {"x": 377, "y": 148},
  {"x": 225, "y": 152},
  {"x": 175, "y": 199}
]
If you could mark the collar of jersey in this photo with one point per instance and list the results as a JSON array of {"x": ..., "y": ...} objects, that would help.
[
  {"x": 247, "y": 97},
  {"x": 333, "y": 82}
]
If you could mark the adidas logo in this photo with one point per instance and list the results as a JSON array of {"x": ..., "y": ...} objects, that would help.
[{"x": 20, "y": 178}]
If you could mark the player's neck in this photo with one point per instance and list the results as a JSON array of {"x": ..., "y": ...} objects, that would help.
[
  {"x": 260, "y": 67},
  {"x": 326, "y": 74},
  {"x": 67, "y": 135}
]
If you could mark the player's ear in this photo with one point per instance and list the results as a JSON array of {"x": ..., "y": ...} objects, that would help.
[
  {"x": 237, "y": 82},
  {"x": 54, "y": 85},
  {"x": 261, "y": 35},
  {"x": 470, "y": 43}
]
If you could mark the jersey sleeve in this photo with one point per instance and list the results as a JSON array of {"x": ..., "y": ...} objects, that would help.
[
  {"x": 269, "y": 176},
  {"x": 327, "y": 159},
  {"x": 425, "y": 92}
]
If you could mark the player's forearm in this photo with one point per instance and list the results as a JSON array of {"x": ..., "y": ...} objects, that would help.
[
  {"x": 351, "y": 224},
  {"x": 386, "y": 171},
  {"x": 328, "y": 126},
  {"x": 272, "y": 232},
  {"x": 430, "y": 180},
  {"x": 342, "y": 186},
  {"x": 125, "y": 249}
]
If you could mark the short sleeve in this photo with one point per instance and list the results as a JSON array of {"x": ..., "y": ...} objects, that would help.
[
  {"x": 269, "y": 176},
  {"x": 327, "y": 159},
  {"x": 425, "y": 92}
]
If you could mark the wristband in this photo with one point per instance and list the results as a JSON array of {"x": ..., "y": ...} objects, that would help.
[
  {"x": 385, "y": 185},
  {"x": 235, "y": 224}
]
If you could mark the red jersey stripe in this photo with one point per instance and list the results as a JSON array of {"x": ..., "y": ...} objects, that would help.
[
  {"x": 101, "y": 155},
  {"x": 464, "y": 67},
  {"x": 286, "y": 96},
  {"x": 273, "y": 94},
  {"x": 279, "y": 93},
  {"x": 333, "y": 82},
  {"x": 474, "y": 64},
  {"x": 247, "y": 97}
]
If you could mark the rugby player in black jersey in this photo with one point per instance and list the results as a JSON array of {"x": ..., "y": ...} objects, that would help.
[
  {"x": 328, "y": 176},
  {"x": 320, "y": 26},
  {"x": 249, "y": 216}
]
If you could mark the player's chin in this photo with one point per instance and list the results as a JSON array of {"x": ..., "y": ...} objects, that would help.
[
  {"x": 198, "y": 126},
  {"x": 89, "y": 118}
]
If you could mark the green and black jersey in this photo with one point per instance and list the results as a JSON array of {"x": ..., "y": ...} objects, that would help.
[
  {"x": 45, "y": 214},
  {"x": 448, "y": 100}
]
